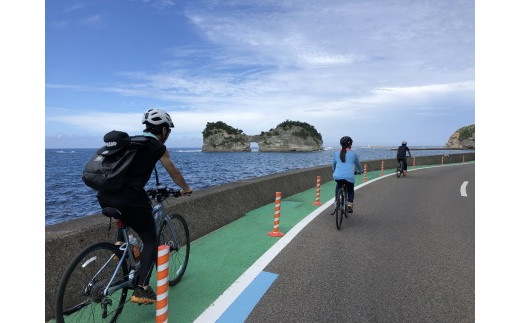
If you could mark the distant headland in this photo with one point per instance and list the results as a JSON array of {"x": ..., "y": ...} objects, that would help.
[{"x": 463, "y": 138}]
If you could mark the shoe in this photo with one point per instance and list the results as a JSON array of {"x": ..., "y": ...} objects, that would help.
[
  {"x": 143, "y": 296},
  {"x": 350, "y": 207}
]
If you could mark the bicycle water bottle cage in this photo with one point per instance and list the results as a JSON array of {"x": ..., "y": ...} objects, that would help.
[{"x": 111, "y": 212}]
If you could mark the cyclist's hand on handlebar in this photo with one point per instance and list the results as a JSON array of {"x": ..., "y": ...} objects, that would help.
[{"x": 186, "y": 192}]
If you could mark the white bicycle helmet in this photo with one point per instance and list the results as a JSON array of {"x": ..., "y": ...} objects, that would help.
[
  {"x": 157, "y": 117},
  {"x": 404, "y": 142}
]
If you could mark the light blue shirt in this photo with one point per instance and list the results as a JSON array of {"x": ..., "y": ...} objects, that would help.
[
  {"x": 149, "y": 134},
  {"x": 345, "y": 170}
]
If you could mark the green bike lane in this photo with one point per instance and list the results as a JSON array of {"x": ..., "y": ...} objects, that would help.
[{"x": 218, "y": 259}]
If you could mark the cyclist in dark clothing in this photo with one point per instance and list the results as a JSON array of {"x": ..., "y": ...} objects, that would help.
[
  {"x": 133, "y": 203},
  {"x": 401, "y": 155}
]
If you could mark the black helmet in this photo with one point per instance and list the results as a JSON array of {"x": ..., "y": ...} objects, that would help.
[{"x": 346, "y": 141}]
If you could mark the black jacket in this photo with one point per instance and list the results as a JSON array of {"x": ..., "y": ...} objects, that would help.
[{"x": 401, "y": 151}]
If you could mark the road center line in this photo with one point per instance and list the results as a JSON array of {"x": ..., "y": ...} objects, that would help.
[{"x": 463, "y": 189}]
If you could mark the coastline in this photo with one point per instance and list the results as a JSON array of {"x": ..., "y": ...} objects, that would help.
[{"x": 434, "y": 148}]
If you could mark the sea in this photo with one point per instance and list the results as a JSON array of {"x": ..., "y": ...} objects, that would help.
[{"x": 67, "y": 197}]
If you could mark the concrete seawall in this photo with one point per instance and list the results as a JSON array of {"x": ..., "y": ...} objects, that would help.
[{"x": 207, "y": 210}]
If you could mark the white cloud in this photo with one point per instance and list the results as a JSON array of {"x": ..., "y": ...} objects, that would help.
[
  {"x": 323, "y": 59},
  {"x": 428, "y": 89},
  {"x": 59, "y": 24},
  {"x": 96, "y": 21},
  {"x": 73, "y": 7},
  {"x": 254, "y": 116},
  {"x": 99, "y": 122}
]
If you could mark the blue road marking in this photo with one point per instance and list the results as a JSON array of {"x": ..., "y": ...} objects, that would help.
[{"x": 244, "y": 304}]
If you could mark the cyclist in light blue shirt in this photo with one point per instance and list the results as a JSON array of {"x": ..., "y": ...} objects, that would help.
[{"x": 344, "y": 167}]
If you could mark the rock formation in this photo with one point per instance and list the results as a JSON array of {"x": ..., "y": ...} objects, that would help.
[
  {"x": 463, "y": 138},
  {"x": 287, "y": 136},
  {"x": 218, "y": 136}
]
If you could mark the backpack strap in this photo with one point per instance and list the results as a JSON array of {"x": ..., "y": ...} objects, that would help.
[{"x": 139, "y": 141}]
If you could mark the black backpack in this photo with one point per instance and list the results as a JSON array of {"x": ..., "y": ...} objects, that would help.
[{"x": 106, "y": 170}]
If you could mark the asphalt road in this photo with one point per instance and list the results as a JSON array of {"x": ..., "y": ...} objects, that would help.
[{"x": 407, "y": 254}]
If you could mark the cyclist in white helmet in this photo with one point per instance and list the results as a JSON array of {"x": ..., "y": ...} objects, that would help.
[{"x": 134, "y": 204}]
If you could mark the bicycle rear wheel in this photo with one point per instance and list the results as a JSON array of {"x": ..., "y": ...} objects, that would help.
[
  {"x": 80, "y": 292},
  {"x": 175, "y": 234},
  {"x": 399, "y": 169},
  {"x": 340, "y": 206}
]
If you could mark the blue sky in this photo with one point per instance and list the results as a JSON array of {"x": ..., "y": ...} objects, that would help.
[{"x": 380, "y": 71}]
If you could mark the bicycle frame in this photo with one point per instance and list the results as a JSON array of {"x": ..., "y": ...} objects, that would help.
[
  {"x": 343, "y": 190},
  {"x": 134, "y": 266},
  {"x": 159, "y": 215}
]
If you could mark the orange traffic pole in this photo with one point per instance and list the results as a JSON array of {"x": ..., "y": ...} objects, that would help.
[
  {"x": 365, "y": 172},
  {"x": 414, "y": 163},
  {"x": 161, "y": 308},
  {"x": 442, "y": 160},
  {"x": 382, "y": 167},
  {"x": 317, "y": 202},
  {"x": 276, "y": 228}
]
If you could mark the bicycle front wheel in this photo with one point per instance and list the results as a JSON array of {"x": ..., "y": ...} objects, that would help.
[
  {"x": 81, "y": 290},
  {"x": 174, "y": 233},
  {"x": 340, "y": 206}
]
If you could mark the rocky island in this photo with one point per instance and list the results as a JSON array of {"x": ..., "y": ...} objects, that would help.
[
  {"x": 287, "y": 136},
  {"x": 218, "y": 136},
  {"x": 463, "y": 138}
]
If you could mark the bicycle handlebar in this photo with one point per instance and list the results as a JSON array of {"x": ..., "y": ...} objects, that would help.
[{"x": 162, "y": 192}]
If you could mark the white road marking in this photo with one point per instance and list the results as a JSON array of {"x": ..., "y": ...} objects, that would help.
[{"x": 463, "y": 189}]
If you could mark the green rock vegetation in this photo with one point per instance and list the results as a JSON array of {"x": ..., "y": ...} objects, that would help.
[
  {"x": 212, "y": 127},
  {"x": 466, "y": 132},
  {"x": 306, "y": 131}
]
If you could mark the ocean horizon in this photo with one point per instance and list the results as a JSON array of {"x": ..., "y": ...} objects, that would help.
[{"x": 67, "y": 197}]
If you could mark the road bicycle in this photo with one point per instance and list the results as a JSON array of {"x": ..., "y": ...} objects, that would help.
[
  {"x": 400, "y": 168},
  {"x": 95, "y": 285}
]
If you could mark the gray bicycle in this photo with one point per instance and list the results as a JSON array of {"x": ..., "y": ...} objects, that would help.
[{"x": 94, "y": 286}]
